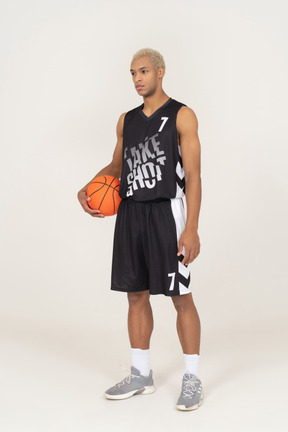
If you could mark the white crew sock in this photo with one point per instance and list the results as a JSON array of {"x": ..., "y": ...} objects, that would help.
[
  {"x": 141, "y": 360},
  {"x": 192, "y": 363}
]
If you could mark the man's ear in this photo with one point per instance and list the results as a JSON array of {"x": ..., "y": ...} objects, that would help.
[{"x": 161, "y": 72}]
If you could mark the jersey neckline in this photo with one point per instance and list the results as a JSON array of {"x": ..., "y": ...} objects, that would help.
[{"x": 155, "y": 112}]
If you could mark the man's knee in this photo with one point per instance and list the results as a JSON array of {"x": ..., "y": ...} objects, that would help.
[
  {"x": 183, "y": 302},
  {"x": 138, "y": 299}
]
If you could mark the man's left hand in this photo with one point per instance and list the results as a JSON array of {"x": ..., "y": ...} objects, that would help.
[{"x": 190, "y": 241}]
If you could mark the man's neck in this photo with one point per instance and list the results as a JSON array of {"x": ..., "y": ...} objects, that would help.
[{"x": 152, "y": 103}]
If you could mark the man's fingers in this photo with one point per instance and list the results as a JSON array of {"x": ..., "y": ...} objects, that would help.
[
  {"x": 91, "y": 211},
  {"x": 186, "y": 258},
  {"x": 184, "y": 261},
  {"x": 180, "y": 248},
  {"x": 98, "y": 215},
  {"x": 88, "y": 208},
  {"x": 96, "y": 212},
  {"x": 191, "y": 257},
  {"x": 83, "y": 198}
]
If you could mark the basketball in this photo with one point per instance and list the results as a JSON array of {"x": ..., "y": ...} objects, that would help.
[{"x": 104, "y": 194}]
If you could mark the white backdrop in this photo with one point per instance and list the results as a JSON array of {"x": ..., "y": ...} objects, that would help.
[{"x": 65, "y": 80}]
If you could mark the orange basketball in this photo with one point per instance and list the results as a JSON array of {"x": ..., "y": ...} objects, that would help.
[{"x": 104, "y": 194}]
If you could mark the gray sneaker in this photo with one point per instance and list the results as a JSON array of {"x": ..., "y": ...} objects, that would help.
[
  {"x": 191, "y": 393},
  {"x": 131, "y": 385}
]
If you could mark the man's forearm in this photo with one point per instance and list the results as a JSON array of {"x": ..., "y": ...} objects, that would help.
[{"x": 193, "y": 200}]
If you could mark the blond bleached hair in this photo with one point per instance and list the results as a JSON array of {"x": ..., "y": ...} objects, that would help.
[{"x": 156, "y": 58}]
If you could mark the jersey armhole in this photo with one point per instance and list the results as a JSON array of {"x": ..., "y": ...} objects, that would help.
[
  {"x": 124, "y": 126},
  {"x": 177, "y": 133}
]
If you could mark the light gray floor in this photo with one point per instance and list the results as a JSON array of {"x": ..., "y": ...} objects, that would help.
[{"x": 54, "y": 376}]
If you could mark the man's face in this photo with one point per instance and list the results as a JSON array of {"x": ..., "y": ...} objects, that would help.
[{"x": 145, "y": 76}]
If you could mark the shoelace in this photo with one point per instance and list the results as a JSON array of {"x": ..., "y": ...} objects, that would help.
[
  {"x": 189, "y": 388},
  {"x": 126, "y": 380}
]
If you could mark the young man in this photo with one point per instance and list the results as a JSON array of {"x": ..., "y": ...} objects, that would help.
[{"x": 157, "y": 157}]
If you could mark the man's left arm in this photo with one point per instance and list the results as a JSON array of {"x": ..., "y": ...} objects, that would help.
[{"x": 187, "y": 127}]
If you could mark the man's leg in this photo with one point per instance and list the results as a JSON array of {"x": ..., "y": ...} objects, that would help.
[
  {"x": 140, "y": 319},
  {"x": 189, "y": 328},
  {"x": 140, "y": 327},
  {"x": 188, "y": 323}
]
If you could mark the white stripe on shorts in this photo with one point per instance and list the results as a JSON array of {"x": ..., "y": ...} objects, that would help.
[{"x": 178, "y": 211}]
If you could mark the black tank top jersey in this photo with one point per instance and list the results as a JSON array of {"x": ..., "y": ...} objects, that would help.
[{"x": 152, "y": 165}]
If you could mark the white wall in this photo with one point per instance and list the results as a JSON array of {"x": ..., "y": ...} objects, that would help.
[
  {"x": 65, "y": 80},
  {"x": 64, "y": 83}
]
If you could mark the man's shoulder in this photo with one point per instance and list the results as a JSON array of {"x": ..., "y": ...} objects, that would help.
[{"x": 186, "y": 113}]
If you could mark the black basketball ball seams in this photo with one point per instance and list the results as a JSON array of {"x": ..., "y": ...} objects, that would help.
[
  {"x": 106, "y": 193},
  {"x": 103, "y": 184},
  {"x": 117, "y": 187},
  {"x": 110, "y": 189}
]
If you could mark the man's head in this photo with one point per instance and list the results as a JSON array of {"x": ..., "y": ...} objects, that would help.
[{"x": 147, "y": 70}]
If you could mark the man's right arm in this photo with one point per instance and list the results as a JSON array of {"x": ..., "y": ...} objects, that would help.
[{"x": 114, "y": 169}]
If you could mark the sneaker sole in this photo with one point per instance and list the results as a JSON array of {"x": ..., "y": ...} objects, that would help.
[
  {"x": 184, "y": 408},
  {"x": 143, "y": 390}
]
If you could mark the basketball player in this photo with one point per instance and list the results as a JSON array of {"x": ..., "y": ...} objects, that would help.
[{"x": 157, "y": 157}]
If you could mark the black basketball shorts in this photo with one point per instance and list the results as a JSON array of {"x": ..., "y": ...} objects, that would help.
[{"x": 145, "y": 248}]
